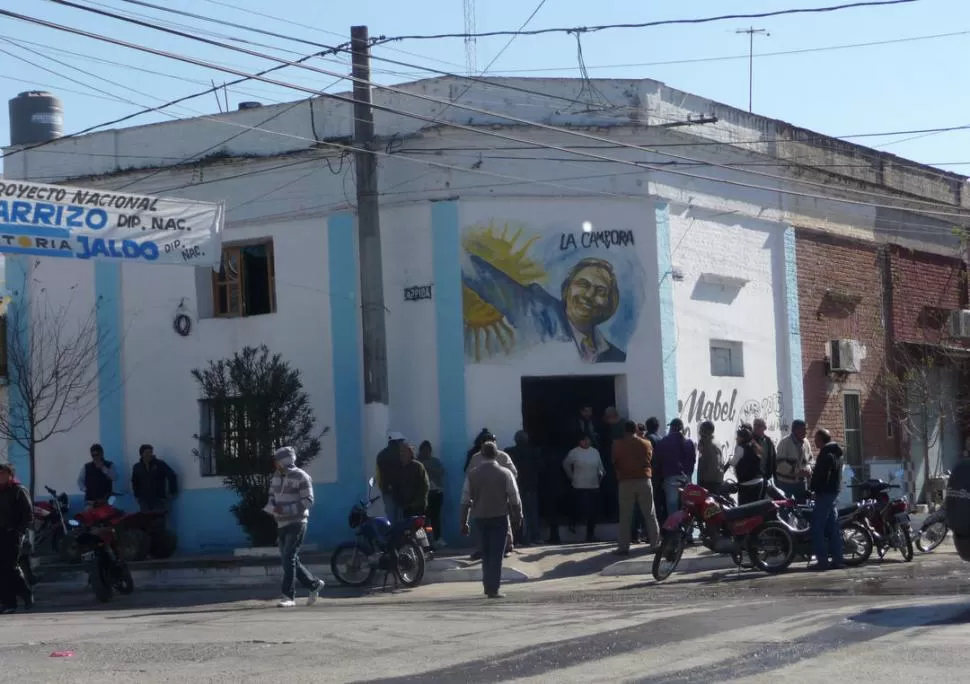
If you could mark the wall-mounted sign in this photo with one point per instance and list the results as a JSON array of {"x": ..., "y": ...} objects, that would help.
[
  {"x": 75, "y": 223},
  {"x": 417, "y": 293}
]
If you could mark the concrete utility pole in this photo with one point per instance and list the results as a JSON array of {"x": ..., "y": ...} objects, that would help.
[
  {"x": 751, "y": 33},
  {"x": 369, "y": 231}
]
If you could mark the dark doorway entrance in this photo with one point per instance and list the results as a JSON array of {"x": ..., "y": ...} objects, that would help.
[{"x": 550, "y": 414}]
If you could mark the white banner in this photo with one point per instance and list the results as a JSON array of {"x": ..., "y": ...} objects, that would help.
[{"x": 74, "y": 223}]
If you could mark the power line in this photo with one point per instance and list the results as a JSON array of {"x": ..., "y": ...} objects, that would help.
[
  {"x": 436, "y": 100},
  {"x": 651, "y": 24}
]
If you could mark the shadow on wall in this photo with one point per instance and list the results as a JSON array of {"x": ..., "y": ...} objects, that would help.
[{"x": 714, "y": 293}]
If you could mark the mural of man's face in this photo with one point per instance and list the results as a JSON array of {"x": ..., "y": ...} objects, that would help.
[{"x": 587, "y": 297}]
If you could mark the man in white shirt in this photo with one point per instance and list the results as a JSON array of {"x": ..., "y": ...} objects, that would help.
[
  {"x": 794, "y": 462},
  {"x": 585, "y": 471}
]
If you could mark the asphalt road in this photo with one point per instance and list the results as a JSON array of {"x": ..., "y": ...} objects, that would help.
[{"x": 889, "y": 622}]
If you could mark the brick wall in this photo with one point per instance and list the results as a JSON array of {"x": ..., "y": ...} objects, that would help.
[
  {"x": 840, "y": 286},
  {"x": 925, "y": 288}
]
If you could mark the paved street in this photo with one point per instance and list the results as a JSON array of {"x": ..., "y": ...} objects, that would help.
[{"x": 892, "y": 621}]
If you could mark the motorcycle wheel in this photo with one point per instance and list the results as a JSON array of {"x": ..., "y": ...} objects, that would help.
[
  {"x": 101, "y": 582},
  {"x": 907, "y": 547},
  {"x": 857, "y": 538},
  {"x": 670, "y": 551},
  {"x": 771, "y": 535},
  {"x": 163, "y": 543},
  {"x": 68, "y": 549},
  {"x": 133, "y": 544},
  {"x": 125, "y": 584},
  {"x": 931, "y": 536},
  {"x": 350, "y": 556},
  {"x": 411, "y": 564}
]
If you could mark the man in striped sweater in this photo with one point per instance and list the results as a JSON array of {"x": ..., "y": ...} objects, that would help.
[{"x": 290, "y": 501}]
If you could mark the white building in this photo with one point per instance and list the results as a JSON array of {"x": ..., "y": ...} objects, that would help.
[{"x": 497, "y": 254}]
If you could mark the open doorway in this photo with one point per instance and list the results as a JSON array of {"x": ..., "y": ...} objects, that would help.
[{"x": 550, "y": 415}]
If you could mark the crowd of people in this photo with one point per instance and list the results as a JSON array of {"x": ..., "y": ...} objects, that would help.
[{"x": 617, "y": 466}]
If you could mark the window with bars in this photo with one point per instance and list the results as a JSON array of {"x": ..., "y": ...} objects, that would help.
[
  {"x": 245, "y": 284},
  {"x": 852, "y": 413},
  {"x": 228, "y": 432}
]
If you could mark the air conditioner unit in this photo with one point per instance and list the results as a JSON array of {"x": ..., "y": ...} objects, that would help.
[
  {"x": 845, "y": 356},
  {"x": 959, "y": 325}
]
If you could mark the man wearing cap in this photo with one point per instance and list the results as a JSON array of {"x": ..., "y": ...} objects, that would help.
[
  {"x": 677, "y": 456},
  {"x": 290, "y": 501},
  {"x": 389, "y": 473}
]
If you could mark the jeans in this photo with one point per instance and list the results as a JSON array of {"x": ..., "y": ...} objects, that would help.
[
  {"x": 636, "y": 495},
  {"x": 391, "y": 509},
  {"x": 671, "y": 495},
  {"x": 492, "y": 535},
  {"x": 290, "y": 540},
  {"x": 530, "y": 530},
  {"x": 589, "y": 503},
  {"x": 12, "y": 582},
  {"x": 435, "y": 498},
  {"x": 825, "y": 523},
  {"x": 795, "y": 490}
]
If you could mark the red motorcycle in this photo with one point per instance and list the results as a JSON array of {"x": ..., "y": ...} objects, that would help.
[
  {"x": 725, "y": 528},
  {"x": 138, "y": 535},
  {"x": 887, "y": 518},
  {"x": 99, "y": 550}
]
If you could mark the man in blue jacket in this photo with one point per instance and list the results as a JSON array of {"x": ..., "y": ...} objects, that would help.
[{"x": 677, "y": 455}]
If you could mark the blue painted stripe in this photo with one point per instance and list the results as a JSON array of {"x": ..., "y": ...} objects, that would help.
[
  {"x": 668, "y": 323},
  {"x": 111, "y": 393},
  {"x": 449, "y": 335},
  {"x": 35, "y": 251},
  {"x": 345, "y": 356},
  {"x": 794, "y": 326},
  {"x": 34, "y": 231},
  {"x": 18, "y": 337}
]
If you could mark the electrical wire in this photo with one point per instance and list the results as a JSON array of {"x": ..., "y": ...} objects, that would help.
[
  {"x": 651, "y": 24},
  {"x": 435, "y": 100}
]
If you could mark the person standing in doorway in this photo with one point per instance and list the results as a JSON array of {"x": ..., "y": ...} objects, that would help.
[
  {"x": 678, "y": 458},
  {"x": 748, "y": 466},
  {"x": 826, "y": 484},
  {"x": 16, "y": 515},
  {"x": 490, "y": 497},
  {"x": 388, "y": 473},
  {"x": 611, "y": 430},
  {"x": 413, "y": 485},
  {"x": 710, "y": 460},
  {"x": 652, "y": 428},
  {"x": 587, "y": 426},
  {"x": 585, "y": 471},
  {"x": 794, "y": 464},
  {"x": 153, "y": 482},
  {"x": 436, "y": 494},
  {"x": 632, "y": 459},
  {"x": 769, "y": 455},
  {"x": 290, "y": 500},
  {"x": 97, "y": 477},
  {"x": 529, "y": 465}
]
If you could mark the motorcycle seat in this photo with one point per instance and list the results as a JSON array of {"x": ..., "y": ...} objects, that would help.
[{"x": 750, "y": 510}]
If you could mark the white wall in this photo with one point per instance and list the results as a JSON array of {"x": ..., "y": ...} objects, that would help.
[{"x": 707, "y": 242}]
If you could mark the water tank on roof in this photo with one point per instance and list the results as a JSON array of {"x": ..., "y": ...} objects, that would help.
[
  {"x": 250, "y": 105},
  {"x": 35, "y": 117}
]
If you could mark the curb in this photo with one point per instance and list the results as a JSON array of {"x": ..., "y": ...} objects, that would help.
[
  {"x": 644, "y": 566},
  {"x": 438, "y": 572}
]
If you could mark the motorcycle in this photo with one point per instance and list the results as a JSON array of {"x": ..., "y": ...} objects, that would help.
[
  {"x": 139, "y": 534},
  {"x": 887, "y": 519},
  {"x": 857, "y": 539},
  {"x": 107, "y": 570},
  {"x": 933, "y": 531},
  {"x": 50, "y": 522},
  {"x": 400, "y": 548},
  {"x": 725, "y": 528}
]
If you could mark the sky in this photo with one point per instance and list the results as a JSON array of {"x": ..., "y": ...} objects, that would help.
[{"x": 840, "y": 92}]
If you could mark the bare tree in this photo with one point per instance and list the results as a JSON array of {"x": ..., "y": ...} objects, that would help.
[{"x": 54, "y": 359}]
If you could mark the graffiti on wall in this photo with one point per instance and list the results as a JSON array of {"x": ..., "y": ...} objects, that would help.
[
  {"x": 523, "y": 287},
  {"x": 724, "y": 408}
]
